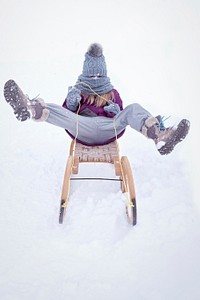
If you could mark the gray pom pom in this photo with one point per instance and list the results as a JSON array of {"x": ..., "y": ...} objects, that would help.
[{"x": 95, "y": 50}]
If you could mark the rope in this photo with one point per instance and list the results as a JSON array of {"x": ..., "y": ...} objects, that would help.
[
  {"x": 75, "y": 138},
  {"x": 120, "y": 163},
  {"x": 64, "y": 205}
]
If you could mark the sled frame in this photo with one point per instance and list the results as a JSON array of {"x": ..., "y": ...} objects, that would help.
[{"x": 109, "y": 153}]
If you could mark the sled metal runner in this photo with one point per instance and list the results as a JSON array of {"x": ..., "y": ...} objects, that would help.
[
  {"x": 95, "y": 178},
  {"x": 103, "y": 154}
]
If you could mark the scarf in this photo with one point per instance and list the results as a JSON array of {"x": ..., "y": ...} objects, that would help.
[{"x": 92, "y": 85}]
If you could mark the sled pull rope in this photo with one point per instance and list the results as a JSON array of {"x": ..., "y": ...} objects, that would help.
[
  {"x": 74, "y": 145},
  {"x": 65, "y": 203},
  {"x": 116, "y": 139},
  {"x": 120, "y": 164}
]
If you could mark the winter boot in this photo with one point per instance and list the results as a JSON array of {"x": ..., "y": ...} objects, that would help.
[
  {"x": 165, "y": 138},
  {"x": 23, "y": 107}
]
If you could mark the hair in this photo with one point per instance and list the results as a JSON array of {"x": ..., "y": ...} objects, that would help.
[{"x": 99, "y": 100}]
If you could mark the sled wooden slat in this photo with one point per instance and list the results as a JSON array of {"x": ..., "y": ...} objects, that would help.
[{"x": 104, "y": 153}]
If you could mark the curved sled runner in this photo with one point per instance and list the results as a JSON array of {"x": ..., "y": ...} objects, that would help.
[{"x": 103, "y": 154}]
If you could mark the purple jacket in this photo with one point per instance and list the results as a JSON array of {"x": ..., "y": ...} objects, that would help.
[{"x": 93, "y": 111}]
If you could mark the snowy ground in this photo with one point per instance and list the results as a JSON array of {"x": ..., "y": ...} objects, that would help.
[{"x": 95, "y": 254}]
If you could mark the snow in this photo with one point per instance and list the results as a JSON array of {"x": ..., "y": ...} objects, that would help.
[{"x": 152, "y": 53}]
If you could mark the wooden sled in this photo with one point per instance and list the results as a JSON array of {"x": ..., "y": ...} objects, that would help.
[{"x": 103, "y": 154}]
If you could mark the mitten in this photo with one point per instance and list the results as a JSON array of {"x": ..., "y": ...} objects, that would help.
[
  {"x": 112, "y": 108},
  {"x": 73, "y": 98}
]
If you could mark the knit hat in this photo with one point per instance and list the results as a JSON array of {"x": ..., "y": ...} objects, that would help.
[
  {"x": 94, "y": 64},
  {"x": 94, "y": 74}
]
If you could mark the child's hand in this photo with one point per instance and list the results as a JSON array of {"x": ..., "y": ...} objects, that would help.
[
  {"x": 112, "y": 108},
  {"x": 73, "y": 98}
]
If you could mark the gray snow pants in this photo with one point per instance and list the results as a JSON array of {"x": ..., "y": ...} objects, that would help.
[{"x": 97, "y": 130}]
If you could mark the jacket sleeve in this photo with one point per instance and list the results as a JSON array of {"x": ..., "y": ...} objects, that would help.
[{"x": 118, "y": 99}]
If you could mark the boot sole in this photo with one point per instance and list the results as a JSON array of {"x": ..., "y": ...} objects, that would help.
[
  {"x": 17, "y": 100},
  {"x": 179, "y": 135}
]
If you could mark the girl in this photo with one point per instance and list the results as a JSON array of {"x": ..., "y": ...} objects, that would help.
[{"x": 97, "y": 107}]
